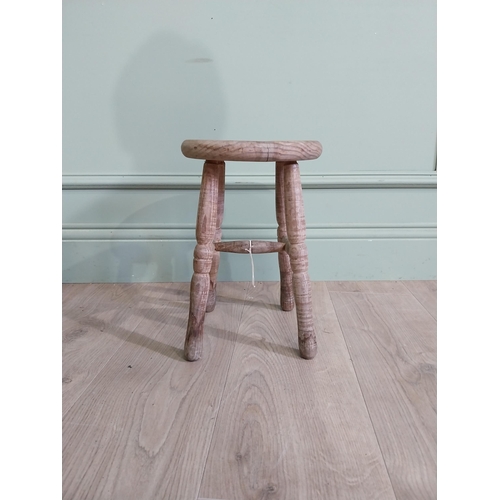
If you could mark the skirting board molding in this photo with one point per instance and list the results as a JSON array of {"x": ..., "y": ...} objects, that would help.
[
  {"x": 142, "y": 251},
  {"x": 147, "y": 232},
  {"x": 157, "y": 254},
  {"x": 124, "y": 261},
  {"x": 368, "y": 180}
]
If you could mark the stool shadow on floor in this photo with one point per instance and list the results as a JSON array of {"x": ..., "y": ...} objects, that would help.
[
  {"x": 178, "y": 321},
  {"x": 166, "y": 350},
  {"x": 179, "y": 294},
  {"x": 250, "y": 301},
  {"x": 134, "y": 337},
  {"x": 263, "y": 344},
  {"x": 140, "y": 340}
]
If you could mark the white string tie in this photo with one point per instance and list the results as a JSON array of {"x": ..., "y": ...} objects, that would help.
[{"x": 249, "y": 250}]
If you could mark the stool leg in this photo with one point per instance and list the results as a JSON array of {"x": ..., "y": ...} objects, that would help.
[
  {"x": 212, "y": 294},
  {"x": 296, "y": 229},
  {"x": 200, "y": 283},
  {"x": 286, "y": 292}
]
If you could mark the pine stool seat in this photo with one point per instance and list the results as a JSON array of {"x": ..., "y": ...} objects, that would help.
[{"x": 290, "y": 244}]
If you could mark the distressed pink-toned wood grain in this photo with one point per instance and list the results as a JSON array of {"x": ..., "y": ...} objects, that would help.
[
  {"x": 296, "y": 230},
  {"x": 212, "y": 294},
  {"x": 287, "y": 301},
  {"x": 291, "y": 232},
  {"x": 251, "y": 150},
  {"x": 246, "y": 246},
  {"x": 202, "y": 263}
]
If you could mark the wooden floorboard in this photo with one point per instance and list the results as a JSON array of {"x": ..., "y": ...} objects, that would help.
[
  {"x": 95, "y": 324},
  {"x": 392, "y": 342},
  {"x": 143, "y": 428},
  {"x": 251, "y": 419},
  {"x": 426, "y": 293},
  {"x": 367, "y": 286},
  {"x": 290, "y": 428},
  {"x": 72, "y": 291}
]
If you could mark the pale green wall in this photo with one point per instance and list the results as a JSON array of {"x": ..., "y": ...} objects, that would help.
[{"x": 139, "y": 77}]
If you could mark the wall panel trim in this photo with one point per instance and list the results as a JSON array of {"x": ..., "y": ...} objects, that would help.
[
  {"x": 361, "y": 180},
  {"x": 144, "y": 232}
]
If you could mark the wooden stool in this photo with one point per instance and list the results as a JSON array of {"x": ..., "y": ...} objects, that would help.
[{"x": 291, "y": 246}]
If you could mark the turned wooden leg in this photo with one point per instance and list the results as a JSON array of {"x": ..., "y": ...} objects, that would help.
[
  {"x": 212, "y": 294},
  {"x": 296, "y": 229},
  {"x": 286, "y": 293},
  {"x": 206, "y": 223}
]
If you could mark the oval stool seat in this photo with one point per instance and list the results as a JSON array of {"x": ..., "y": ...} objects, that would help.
[{"x": 251, "y": 150}]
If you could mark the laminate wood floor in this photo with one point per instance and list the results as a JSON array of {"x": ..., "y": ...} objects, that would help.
[{"x": 251, "y": 419}]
